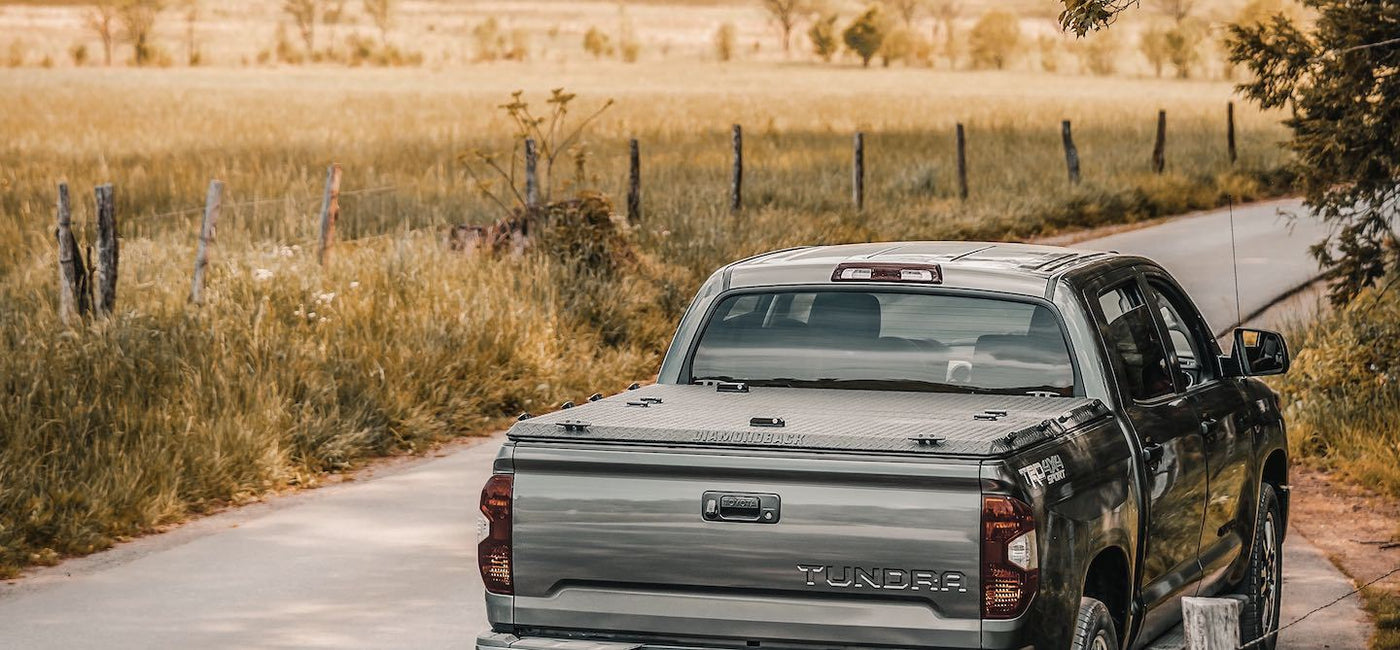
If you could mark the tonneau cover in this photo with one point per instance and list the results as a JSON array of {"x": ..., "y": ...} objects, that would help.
[{"x": 914, "y": 423}]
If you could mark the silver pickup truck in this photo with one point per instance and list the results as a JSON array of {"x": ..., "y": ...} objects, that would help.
[{"x": 903, "y": 445}]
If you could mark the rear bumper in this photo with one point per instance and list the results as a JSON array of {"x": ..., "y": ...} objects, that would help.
[{"x": 497, "y": 641}]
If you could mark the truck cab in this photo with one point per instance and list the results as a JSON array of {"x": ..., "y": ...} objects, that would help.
[{"x": 902, "y": 445}]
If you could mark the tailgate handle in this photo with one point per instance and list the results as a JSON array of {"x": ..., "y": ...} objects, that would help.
[{"x": 741, "y": 507}]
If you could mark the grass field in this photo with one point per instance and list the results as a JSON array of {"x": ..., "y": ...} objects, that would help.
[{"x": 290, "y": 370}]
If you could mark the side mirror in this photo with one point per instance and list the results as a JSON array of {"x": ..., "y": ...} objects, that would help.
[{"x": 1259, "y": 352}]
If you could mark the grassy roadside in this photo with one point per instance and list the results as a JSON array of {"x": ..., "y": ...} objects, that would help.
[
  {"x": 290, "y": 370},
  {"x": 1342, "y": 403}
]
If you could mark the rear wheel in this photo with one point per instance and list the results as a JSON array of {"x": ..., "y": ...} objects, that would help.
[
  {"x": 1263, "y": 585},
  {"x": 1093, "y": 627}
]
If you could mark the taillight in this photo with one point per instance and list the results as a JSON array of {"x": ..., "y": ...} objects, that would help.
[
  {"x": 493, "y": 553},
  {"x": 1010, "y": 559}
]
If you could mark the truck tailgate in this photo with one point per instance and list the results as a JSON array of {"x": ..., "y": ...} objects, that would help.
[{"x": 859, "y": 551}]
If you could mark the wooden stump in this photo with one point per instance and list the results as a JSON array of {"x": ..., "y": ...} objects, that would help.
[
  {"x": 1230, "y": 130},
  {"x": 1071, "y": 153},
  {"x": 532, "y": 178},
  {"x": 1159, "y": 150},
  {"x": 858, "y": 173},
  {"x": 330, "y": 211},
  {"x": 212, "y": 205},
  {"x": 72, "y": 270},
  {"x": 634, "y": 183},
  {"x": 962, "y": 163},
  {"x": 736, "y": 179},
  {"x": 1211, "y": 623},
  {"x": 105, "y": 277}
]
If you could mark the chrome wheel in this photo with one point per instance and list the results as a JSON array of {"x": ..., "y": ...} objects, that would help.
[
  {"x": 1101, "y": 641},
  {"x": 1269, "y": 579}
]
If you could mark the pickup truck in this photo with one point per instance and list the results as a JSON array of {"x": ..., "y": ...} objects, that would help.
[{"x": 902, "y": 445}]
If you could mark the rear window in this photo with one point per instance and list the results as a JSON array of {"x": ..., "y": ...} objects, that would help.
[{"x": 885, "y": 341}]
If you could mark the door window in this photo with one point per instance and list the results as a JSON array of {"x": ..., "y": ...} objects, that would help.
[
  {"x": 1183, "y": 332},
  {"x": 1134, "y": 346}
]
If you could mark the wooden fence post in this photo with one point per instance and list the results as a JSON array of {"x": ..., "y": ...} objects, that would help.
[
  {"x": 634, "y": 183},
  {"x": 72, "y": 272},
  {"x": 962, "y": 163},
  {"x": 1230, "y": 130},
  {"x": 736, "y": 180},
  {"x": 330, "y": 211},
  {"x": 1211, "y": 623},
  {"x": 212, "y": 204},
  {"x": 105, "y": 278},
  {"x": 1159, "y": 151},
  {"x": 858, "y": 173},
  {"x": 532, "y": 179},
  {"x": 1071, "y": 153}
]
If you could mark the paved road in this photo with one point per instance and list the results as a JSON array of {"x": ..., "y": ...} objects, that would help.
[
  {"x": 388, "y": 561},
  {"x": 1272, "y": 251}
]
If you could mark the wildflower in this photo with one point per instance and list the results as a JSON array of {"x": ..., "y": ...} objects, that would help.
[
  {"x": 325, "y": 298},
  {"x": 355, "y": 284},
  {"x": 262, "y": 274}
]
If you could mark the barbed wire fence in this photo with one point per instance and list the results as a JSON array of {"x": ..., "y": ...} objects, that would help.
[{"x": 79, "y": 267}]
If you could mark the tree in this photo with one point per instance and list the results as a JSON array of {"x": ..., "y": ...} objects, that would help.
[
  {"x": 994, "y": 39},
  {"x": 138, "y": 21},
  {"x": 191, "y": 8},
  {"x": 596, "y": 42},
  {"x": 1184, "y": 47},
  {"x": 899, "y": 45},
  {"x": 865, "y": 34},
  {"x": 102, "y": 19},
  {"x": 381, "y": 13},
  {"x": 724, "y": 42},
  {"x": 1098, "y": 53},
  {"x": 786, "y": 13},
  {"x": 1258, "y": 12},
  {"x": 945, "y": 12},
  {"x": 907, "y": 10},
  {"x": 1049, "y": 48},
  {"x": 304, "y": 14},
  {"x": 1337, "y": 75},
  {"x": 1177, "y": 10},
  {"x": 1154, "y": 46},
  {"x": 823, "y": 36}
]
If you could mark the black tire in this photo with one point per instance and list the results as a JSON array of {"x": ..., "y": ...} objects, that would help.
[
  {"x": 1093, "y": 627},
  {"x": 1263, "y": 585}
]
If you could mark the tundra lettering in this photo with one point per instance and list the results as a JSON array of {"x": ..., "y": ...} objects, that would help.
[
  {"x": 956, "y": 445},
  {"x": 890, "y": 579}
]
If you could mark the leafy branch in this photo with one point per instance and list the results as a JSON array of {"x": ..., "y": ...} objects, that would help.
[{"x": 554, "y": 136}]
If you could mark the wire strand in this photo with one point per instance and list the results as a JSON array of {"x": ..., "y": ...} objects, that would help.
[
  {"x": 1261, "y": 640},
  {"x": 252, "y": 202}
]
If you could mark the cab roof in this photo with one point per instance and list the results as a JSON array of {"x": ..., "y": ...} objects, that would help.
[{"x": 1013, "y": 268}]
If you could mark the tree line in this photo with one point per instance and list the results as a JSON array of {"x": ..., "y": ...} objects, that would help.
[
  {"x": 920, "y": 31},
  {"x": 133, "y": 23}
]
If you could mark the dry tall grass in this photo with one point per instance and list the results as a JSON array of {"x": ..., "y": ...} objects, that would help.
[
  {"x": 290, "y": 370},
  {"x": 1342, "y": 397}
]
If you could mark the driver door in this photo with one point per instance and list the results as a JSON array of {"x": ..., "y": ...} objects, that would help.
[
  {"x": 1174, "y": 466},
  {"x": 1220, "y": 405}
]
